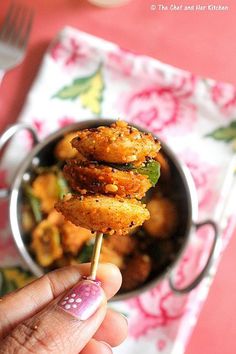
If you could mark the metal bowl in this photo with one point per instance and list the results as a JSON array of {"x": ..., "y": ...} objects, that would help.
[{"x": 41, "y": 154}]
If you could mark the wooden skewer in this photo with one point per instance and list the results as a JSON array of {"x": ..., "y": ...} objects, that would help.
[{"x": 96, "y": 254}]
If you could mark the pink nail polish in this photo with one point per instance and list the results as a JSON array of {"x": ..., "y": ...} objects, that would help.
[{"x": 83, "y": 300}]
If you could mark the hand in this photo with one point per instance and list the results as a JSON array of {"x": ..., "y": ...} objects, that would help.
[{"x": 44, "y": 317}]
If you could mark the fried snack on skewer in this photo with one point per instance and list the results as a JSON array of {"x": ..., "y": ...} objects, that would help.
[
  {"x": 100, "y": 213},
  {"x": 95, "y": 178},
  {"x": 105, "y": 206},
  {"x": 118, "y": 143},
  {"x": 107, "y": 202}
]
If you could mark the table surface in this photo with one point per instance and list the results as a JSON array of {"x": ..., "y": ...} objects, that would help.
[{"x": 202, "y": 42}]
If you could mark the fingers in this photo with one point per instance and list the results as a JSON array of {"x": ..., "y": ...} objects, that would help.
[
  {"x": 26, "y": 302},
  {"x": 52, "y": 331},
  {"x": 17, "y": 306},
  {"x": 108, "y": 274},
  {"x": 113, "y": 330},
  {"x": 96, "y": 347},
  {"x": 112, "y": 320},
  {"x": 68, "y": 323}
]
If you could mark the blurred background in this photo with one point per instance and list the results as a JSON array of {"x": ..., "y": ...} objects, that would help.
[{"x": 202, "y": 42}]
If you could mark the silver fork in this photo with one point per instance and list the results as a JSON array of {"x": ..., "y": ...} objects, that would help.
[{"x": 14, "y": 36}]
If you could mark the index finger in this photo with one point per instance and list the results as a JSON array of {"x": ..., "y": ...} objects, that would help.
[{"x": 26, "y": 302}]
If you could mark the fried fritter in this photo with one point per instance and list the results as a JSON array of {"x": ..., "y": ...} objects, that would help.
[
  {"x": 110, "y": 256},
  {"x": 64, "y": 150},
  {"x": 163, "y": 218},
  {"x": 28, "y": 220},
  {"x": 118, "y": 143},
  {"x": 73, "y": 237},
  {"x": 122, "y": 245},
  {"x": 55, "y": 218},
  {"x": 46, "y": 243},
  {"x": 45, "y": 188},
  {"x": 136, "y": 271},
  {"x": 95, "y": 178},
  {"x": 103, "y": 214}
]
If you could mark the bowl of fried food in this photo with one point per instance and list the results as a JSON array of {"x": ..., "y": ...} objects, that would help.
[{"x": 101, "y": 176}]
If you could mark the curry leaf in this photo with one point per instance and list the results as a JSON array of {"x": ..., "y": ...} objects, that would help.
[
  {"x": 152, "y": 170},
  {"x": 62, "y": 185},
  {"x": 122, "y": 167},
  {"x": 227, "y": 133},
  {"x": 34, "y": 203},
  {"x": 6, "y": 286},
  {"x": 86, "y": 253}
]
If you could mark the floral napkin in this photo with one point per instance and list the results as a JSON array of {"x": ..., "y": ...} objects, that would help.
[{"x": 84, "y": 77}]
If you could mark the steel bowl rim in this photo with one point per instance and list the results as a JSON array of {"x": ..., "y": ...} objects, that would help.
[{"x": 189, "y": 187}]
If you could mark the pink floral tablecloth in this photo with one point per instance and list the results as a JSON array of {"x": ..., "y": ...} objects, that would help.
[{"x": 85, "y": 77}]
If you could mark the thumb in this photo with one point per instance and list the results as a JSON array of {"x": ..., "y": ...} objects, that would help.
[{"x": 65, "y": 325}]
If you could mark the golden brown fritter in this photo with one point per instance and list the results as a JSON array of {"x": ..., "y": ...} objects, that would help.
[
  {"x": 27, "y": 218},
  {"x": 136, "y": 271},
  {"x": 163, "y": 218},
  {"x": 103, "y": 214},
  {"x": 45, "y": 187},
  {"x": 118, "y": 143},
  {"x": 110, "y": 256},
  {"x": 46, "y": 243},
  {"x": 64, "y": 150},
  {"x": 73, "y": 237},
  {"x": 55, "y": 218},
  {"x": 94, "y": 178},
  {"x": 122, "y": 245}
]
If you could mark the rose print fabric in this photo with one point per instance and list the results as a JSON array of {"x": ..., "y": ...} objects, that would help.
[{"x": 85, "y": 77}]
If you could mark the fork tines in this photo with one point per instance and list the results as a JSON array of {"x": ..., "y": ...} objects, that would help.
[{"x": 17, "y": 25}]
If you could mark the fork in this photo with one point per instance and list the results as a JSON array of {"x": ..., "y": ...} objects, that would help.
[{"x": 14, "y": 36}]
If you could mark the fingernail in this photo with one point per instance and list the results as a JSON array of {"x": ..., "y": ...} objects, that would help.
[{"x": 83, "y": 300}]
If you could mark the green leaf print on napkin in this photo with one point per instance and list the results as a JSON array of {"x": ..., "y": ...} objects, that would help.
[
  {"x": 227, "y": 133},
  {"x": 89, "y": 89}
]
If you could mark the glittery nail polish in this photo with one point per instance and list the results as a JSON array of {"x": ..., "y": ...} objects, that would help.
[{"x": 83, "y": 300}]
